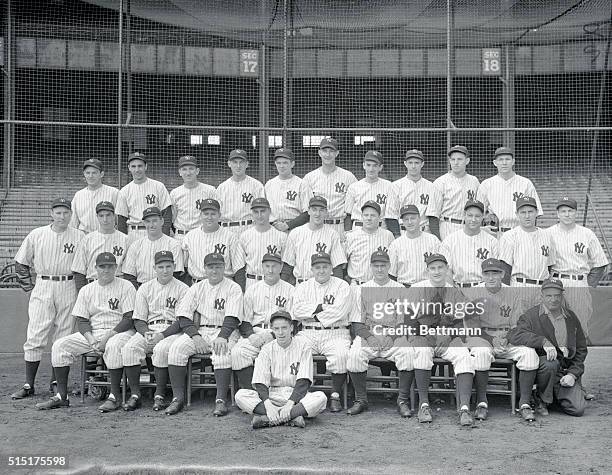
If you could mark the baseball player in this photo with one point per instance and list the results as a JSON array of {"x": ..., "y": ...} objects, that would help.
[
  {"x": 255, "y": 242},
  {"x": 501, "y": 192},
  {"x": 154, "y": 316},
  {"x": 370, "y": 188},
  {"x": 103, "y": 308},
  {"x": 376, "y": 336},
  {"x": 580, "y": 261},
  {"x": 188, "y": 198},
  {"x": 501, "y": 311},
  {"x": 528, "y": 250},
  {"x": 48, "y": 251},
  {"x": 436, "y": 289},
  {"x": 217, "y": 303},
  {"x": 261, "y": 299},
  {"x": 415, "y": 190},
  {"x": 322, "y": 305},
  {"x": 138, "y": 266},
  {"x": 409, "y": 252},
  {"x": 85, "y": 200},
  {"x": 287, "y": 193},
  {"x": 332, "y": 183},
  {"x": 283, "y": 374},
  {"x": 209, "y": 238},
  {"x": 141, "y": 193},
  {"x": 237, "y": 192},
  {"x": 105, "y": 239},
  {"x": 308, "y": 239},
  {"x": 468, "y": 247},
  {"x": 363, "y": 241},
  {"x": 455, "y": 188}
]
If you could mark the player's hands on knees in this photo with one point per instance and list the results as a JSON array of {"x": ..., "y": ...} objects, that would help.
[
  {"x": 374, "y": 342},
  {"x": 281, "y": 226},
  {"x": 256, "y": 340},
  {"x": 551, "y": 351},
  {"x": 568, "y": 380},
  {"x": 272, "y": 412},
  {"x": 564, "y": 351},
  {"x": 387, "y": 343},
  {"x": 219, "y": 346},
  {"x": 285, "y": 411},
  {"x": 499, "y": 342},
  {"x": 201, "y": 344},
  {"x": 104, "y": 340},
  {"x": 153, "y": 338}
]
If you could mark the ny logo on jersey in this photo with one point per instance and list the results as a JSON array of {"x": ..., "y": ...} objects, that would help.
[
  {"x": 516, "y": 195},
  {"x": 150, "y": 199},
  {"x": 329, "y": 299},
  {"x": 545, "y": 250},
  {"x": 171, "y": 303},
  {"x": 199, "y": 204},
  {"x": 381, "y": 199},
  {"x": 281, "y": 301},
  {"x": 482, "y": 253},
  {"x": 68, "y": 248},
  {"x": 579, "y": 248},
  {"x": 426, "y": 255},
  {"x": 291, "y": 195},
  {"x": 272, "y": 249},
  {"x": 117, "y": 251},
  {"x": 424, "y": 199},
  {"x": 340, "y": 188},
  {"x": 220, "y": 248},
  {"x": 321, "y": 247},
  {"x": 382, "y": 249},
  {"x": 219, "y": 304},
  {"x": 504, "y": 311},
  {"x": 113, "y": 304},
  {"x": 471, "y": 195},
  {"x": 247, "y": 197},
  {"x": 294, "y": 368}
]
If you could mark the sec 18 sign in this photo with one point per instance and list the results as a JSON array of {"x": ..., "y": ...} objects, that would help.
[
  {"x": 249, "y": 62},
  {"x": 491, "y": 62}
]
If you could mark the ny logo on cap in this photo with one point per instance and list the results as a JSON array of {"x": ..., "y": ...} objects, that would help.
[
  {"x": 482, "y": 253},
  {"x": 150, "y": 199},
  {"x": 247, "y": 197},
  {"x": 294, "y": 368},
  {"x": 427, "y": 255},
  {"x": 291, "y": 195},
  {"x": 272, "y": 249},
  {"x": 329, "y": 299},
  {"x": 579, "y": 248},
  {"x": 381, "y": 199},
  {"x": 516, "y": 195},
  {"x": 117, "y": 251},
  {"x": 68, "y": 248},
  {"x": 545, "y": 250},
  {"x": 220, "y": 248},
  {"x": 321, "y": 247},
  {"x": 219, "y": 304},
  {"x": 424, "y": 199},
  {"x": 281, "y": 301},
  {"x": 340, "y": 187},
  {"x": 171, "y": 303},
  {"x": 382, "y": 249},
  {"x": 504, "y": 311},
  {"x": 471, "y": 195},
  {"x": 113, "y": 303}
]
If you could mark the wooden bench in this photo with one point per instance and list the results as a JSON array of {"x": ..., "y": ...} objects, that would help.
[
  {"x": 206, "y": 378},
  {"x": 326, "y": 376}
]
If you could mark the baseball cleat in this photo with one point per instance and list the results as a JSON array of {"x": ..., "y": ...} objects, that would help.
[
  {"x": 159, "y": 403},
  {"x": 25, "y": 391},
  {"x": 357, "y": 408},
  {"x": 54, "y": 403},
  {"x": 259, "y": 422},
  {"x": 481, "y": 412},
  {"x": 109, "y": 405},
  {"x": 424, "y": 414},
  {"x": 404, "y": 409},
  {"x": 298, "y": 422},
  {"x": 220, "y": 408},
  {"x": 589, "y": 396},
  {"x": 527, "y": 413},
  {"x": 542, "y": 409},
  {"x": 335, "y": 405},
  {"x": 132, "y": 404},
  {"x": 175, "y": 407},
  {"x": 465, "y": 418},
  {"x": 53, "y": 387}
]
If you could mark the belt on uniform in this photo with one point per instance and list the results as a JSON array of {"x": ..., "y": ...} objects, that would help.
[
  {"x": 57, "y": 278},
  {"x": 265, "y": 326},
  {"x": 503, "y": 230},
  {"x": 232, "y": 224},
  {"x": 360, "y": 223},
  {"x": 160, "y": 321},
  {"x": 495, "y": 329},
  {"x": 89, "y": 281},
  {"x": 423, "y": 227},
  {"x": 195, "y": 281},
  {"x": 180, "y": 231},
  {"x": 307, "y": 327},
  {"x": 210, "y": 326},
  {"x": 529, "y": 281},
  {"x": 333, "y": 221},
  {"x": 467, "y": 284},
  {"x": 568, "y": 276},
  {"x": 405, "y": 284},
  {"x": 255, "y": 277},
  {"x": 136, "y": 226},
  {"x": 452, "y": 220}
]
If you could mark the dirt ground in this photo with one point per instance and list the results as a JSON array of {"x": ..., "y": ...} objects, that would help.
[{"x": 377, "y": 441}]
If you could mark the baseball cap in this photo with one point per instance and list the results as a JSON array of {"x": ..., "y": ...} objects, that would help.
[
  {"x": 458, "y": 148},
  {"x": 435, "y": 257},
  {"x": 105, "y": 206},
  {"x": 414, "y": 153},
  {"x": 92, "y": 162},
  {"x": 526, "y": 201},
  {"x": 280, "y": 314},
  {"x": 379, "y": 256},
  {"x": 210, "y": 203},
  {"x": 61, "y": 202},
  {"x": 105, "y": 258},
  {"x": 329, "y": 142},
  {"x": 285, "y": 153},
  {"x": 567, "y": 201},
  {"x": 552, "y": 284},
  {"x": 137, "y": 156},
  {"x": 373, "y": 156},
  {"x": 238, "y": 153},
  {"x": 408, "y": 209},
  {"x": 317, "y": 201},
  {"x": 214, "y": 258},
  {"x": 371, "y": 204},
  {"x": 260, "y": 203},
  {"x": 492, "y": 264},
  {"x": 503, "y": 151},
  {"x": 163, "y": 256},
  {"x": 152, "y": 211},
  {"x": 272, "y": 257},
  {"x": 187, "y": 160},
  {"x": 320, "y": 257},
  {"x": 474, "y": 204}
]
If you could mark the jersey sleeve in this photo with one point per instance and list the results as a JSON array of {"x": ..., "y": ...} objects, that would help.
[
  {"x": 350, "y": 199},
  {"x": 436, "y": 199},
  {"x": 248, "y": 304},
  {"x": 234, "y": 302},
  {"x": 80, "y": 306},
  {"x": 164, "y": 197},
  {"x": 240, "y": 252},
  {"x": 129, "y": 297},
  {"x": 259, "y": 191},
  {"x": 306, "y": 367},
  {"x": 305, "y": 194},
  {"x": 131, "y": 258},
  {"x": 531, "y": 191},
  {"x": 122, "y": 206},
  {"x": 25, "y": 254},
  {"x": 303, "y": 305},
  {"x": 74, "y": 220},
  {"x": 188, "y": 304},
  {"x": 393, "y": 257},
  {"x": 141, "y": 306},
  {"x": 506, "y": 249},
  {"x": 597, "y": 257},
  {"x": 179, "y": 258},
  {"x": 79, "y": 263},
  {"x": 482, "y": 194},
  {"x": 263, "y": 367},
  {"x": 290, "y": 249},
  {"x": 337, "y": 251},
  {"x": 356, "y": 313},
  {"x": 233, "y": 252}
]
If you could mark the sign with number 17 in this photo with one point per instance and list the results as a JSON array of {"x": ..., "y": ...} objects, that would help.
[
  {"x": 491, "y": 62},
  {"x": 249, "y": 62}
]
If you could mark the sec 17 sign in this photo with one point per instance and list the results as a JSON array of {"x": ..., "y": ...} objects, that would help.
[
  {"x": 491, "y": 62},
  {"x": 249, "y": 62}
]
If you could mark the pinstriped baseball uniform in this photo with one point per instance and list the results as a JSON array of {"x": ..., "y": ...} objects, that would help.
[
  {"x": 139, "y": 260},
  {"x": 420, "y": 193},
  {"x": 359, "y": 248},
  {"x": 279, "y": 369},
  {"x": 303, "y": 242},
  {"x": 103, "y": 306},
  {"x": 455, "y": 192},
  {"x": 253, "y": 245},
  {"x": 260, "y": 301},
  {"x": 499, "y": 196},
  {"x": 95, "y": 243},
  {"x": 197, "y": 244},
  {"x": 408, "y": 257},
  {"x": 84, "y": 206},
  {"x": 235, "y": 198},
  {"x": 466, "y": 253},
  {"x": 213, "y": 303},
  {"x": 381, "y": 191},
  {"x": 288, "y": 198},
  {"x": 186, "y": 204},
  {"x": 48, "y": 253}
]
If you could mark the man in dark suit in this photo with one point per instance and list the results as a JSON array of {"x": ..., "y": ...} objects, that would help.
[{"x": 555, "y": 333}]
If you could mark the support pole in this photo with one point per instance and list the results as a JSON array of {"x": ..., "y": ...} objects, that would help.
[
  {"x": 285, "y": 74},
  {"x": 263, "y": 97},
  {"x": 449, "y": 70},
  {"x": 128, "y": 71},
  {"x": 120, "y": 94},
  {"x": 509, "y": 96},
  {"x": 9, "y": 94}
]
